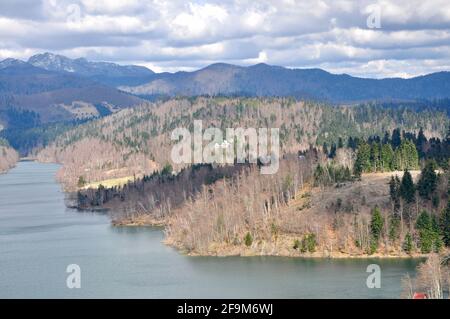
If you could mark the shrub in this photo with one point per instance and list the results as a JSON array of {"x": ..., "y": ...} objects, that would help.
[
  {"x": 248, "y": 239},
  {"x": 308, "y": 243},
  {"x": 372, "y": 247},
  {"x": 296, "y": 244},
  {"x": 167, "y": 170}
]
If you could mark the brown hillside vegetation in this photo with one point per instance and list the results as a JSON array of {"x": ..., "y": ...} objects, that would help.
[
  {"x": 95, "y": 160},
  {"x": 216, "y": 223},
  {"x": 8, "y": 158},
  {"x": 137, "y": 141}
]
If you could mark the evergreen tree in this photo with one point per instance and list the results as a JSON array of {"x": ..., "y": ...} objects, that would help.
[
  {"x": 408, "y": 243},
  {"x": 423, "y": 225},
  {"x": 410, "y": 136},
  {"x": 445, "y": 224},
  {"x": 394, "y": 228},
  {"x": 340, "y": 143},
  {"x": 350, "y": 143},
  {"x": 421, "y": 143},
  {"x": 396, "y": 138},
  {"x": 332, "y": 151},
  {"x": 387, "y": 157},
  {"x": 407, "y": 191},
  {"x": 362, "y": 162},
  {"x": 429, "y": 233},
  {"x": 436, "y": 233},
  {"x": 376, "y": 224},
  {"x": 411, "y": 156},
  {"x": 375, "y": 157},
  {"x": 427, "y": 183},
  {"x": 394, "y": 192},
  {"x": 406, "y": 156},
  {"x": 397, "y": 162}
]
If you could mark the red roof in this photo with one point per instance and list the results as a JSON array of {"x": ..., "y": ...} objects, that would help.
[{"x": 419, "y": 295}]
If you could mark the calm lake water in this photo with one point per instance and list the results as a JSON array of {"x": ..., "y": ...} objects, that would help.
[{"x": 40, "y": 237}]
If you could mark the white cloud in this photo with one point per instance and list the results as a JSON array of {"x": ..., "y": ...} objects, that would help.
[
  {"x": 175, "y": 35},
  {"x": 198, "y": 21},
  {"x": 111, "y": 7}
]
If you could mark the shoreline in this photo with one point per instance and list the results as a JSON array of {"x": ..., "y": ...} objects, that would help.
[{"x": 229, "y": 250}]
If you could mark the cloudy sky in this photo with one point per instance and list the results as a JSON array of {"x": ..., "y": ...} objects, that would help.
[{"x": 365, "y": 38}]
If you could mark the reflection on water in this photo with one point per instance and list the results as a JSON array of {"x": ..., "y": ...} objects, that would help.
[{"x": 39, "y": 237}]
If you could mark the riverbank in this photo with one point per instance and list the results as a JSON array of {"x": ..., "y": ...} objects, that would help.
[
  {"x": 8, "y": 158},
  {"x": 282, "y": 250},
  {"x": 280, "y": 247},
  {"x": 312, "y": 210}
]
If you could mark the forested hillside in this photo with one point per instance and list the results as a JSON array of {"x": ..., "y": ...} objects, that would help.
[
  {"x": 37, "y": 103},
  {"x": 313, "y": 206},
  {"x": 135, "y": 141},
  {"x": 349, "y": 180}
]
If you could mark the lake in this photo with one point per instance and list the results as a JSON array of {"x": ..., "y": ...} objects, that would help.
[{"x": 40, "y": 237}]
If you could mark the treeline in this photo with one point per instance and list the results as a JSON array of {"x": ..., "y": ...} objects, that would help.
[
  {"x": 369, "y": 119},
  {"x": 418, "y": 206},
  {"x": 27, "y": 139},
  {"x": 416, "y": 220},
  {"x": 156, "y": 194},
  {"x": 19, "y": 118},
  {"x": 25, "y": 132},
  {"x": 399, "y": 151},
  {"x": 329, "y": 174}
]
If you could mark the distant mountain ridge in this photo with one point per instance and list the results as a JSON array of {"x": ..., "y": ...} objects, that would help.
[
  {"x": 103, "y": 72},
  {"x": 222, "y": 79},
  {"x": 267, "y": 80}
]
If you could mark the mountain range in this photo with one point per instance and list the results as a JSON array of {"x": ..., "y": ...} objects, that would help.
[
  {"x": 59, "y": 88},
  {"x": 266, "y": 80}
]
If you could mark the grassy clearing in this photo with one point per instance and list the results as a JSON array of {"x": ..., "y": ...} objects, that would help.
[{"x": 110, "y": 182}]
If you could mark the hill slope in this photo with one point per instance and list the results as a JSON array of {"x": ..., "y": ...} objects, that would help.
[
  {"x": 55, "y": 96},
  {"x": 139, "y": 138}
]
